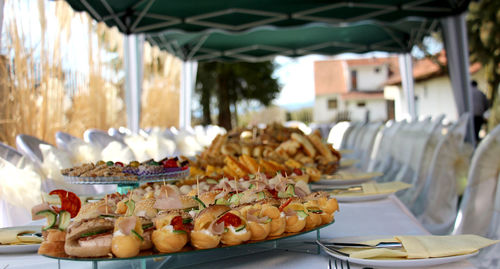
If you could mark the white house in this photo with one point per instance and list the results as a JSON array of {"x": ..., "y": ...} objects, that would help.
[
  {"x": 433, "y": 92},
  {"x": 352, "y": 89}
]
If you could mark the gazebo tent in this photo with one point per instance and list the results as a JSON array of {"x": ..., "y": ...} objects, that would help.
[{"x": 193, "y": 22}]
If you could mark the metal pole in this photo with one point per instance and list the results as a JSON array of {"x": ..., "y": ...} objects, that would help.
[
  {"x": 406, "y": 70},
  {"x": 2, "y": 2},
  {"x": 133, "y": 57},
  {"x": 457, "y": 53},
  {"x": 188, "y": 81}
]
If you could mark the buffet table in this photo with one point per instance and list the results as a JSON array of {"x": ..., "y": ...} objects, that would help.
[{"x": 381, "y": 217}]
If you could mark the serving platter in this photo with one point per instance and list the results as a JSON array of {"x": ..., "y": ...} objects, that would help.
[
  {"x": 190, "y": 256},
  {"x": 23, "y": 247}
]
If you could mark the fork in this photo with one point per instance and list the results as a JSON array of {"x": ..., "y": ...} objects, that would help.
[{"x": 338, "y": 264}]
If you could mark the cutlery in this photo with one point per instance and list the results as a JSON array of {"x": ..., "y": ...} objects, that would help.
[
  {"x": 358, "y": 245},
  {"x": 332, "y": 249},
  {"x": 340, "y": 265},
  {"x": 337, "y": 190}
]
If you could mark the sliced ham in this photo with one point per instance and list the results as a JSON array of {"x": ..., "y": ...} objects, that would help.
[
  {"x": 216, "y": 228},
  {"x": 290, "y": 212},
  {"x": 38, "y": 208},
  {"x": 252, "y": 218},
  {"x": 168, "y": 203},
  {"x": 300, "y": 192},
  {"x": 170, "y": 190},
  {"x": 127, "y": 224}
]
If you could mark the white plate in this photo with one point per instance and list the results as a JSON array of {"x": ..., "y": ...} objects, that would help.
[
  {"x": 360, "y": 198},
  {"x": 344, "y": 163},
  {"x": 394, "y": 263},
  {"x": 347, "y": 178},
  {"x": 21, "y": 248}
]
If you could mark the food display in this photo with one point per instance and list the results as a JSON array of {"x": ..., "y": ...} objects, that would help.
[
  {"x": 132, "y": 171},
  {"x": 159, "y": 218},
  {"x": 270, "y": 150}
]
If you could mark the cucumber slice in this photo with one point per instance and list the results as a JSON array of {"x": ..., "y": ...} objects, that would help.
[
  {"x": 261, "y": 195},
  {"x": 284, "y": 194},
  {"x": 239, "y": 228},
  {"x": 302, "y": 214},
  {"x": 202, "y": 205},
  {"x": 51, "y": 218},
  {"x": 179, "y": 232},
  {"x": 212, "y": 181},
  {"x": 251, "y": 176},
  {"x": 64, "y": 220},
  {"x": 251, "y": 186},
  {"x": 226, "y": 230},
  {"x": 221, "y": 201},
  {"x": 147, "y": 226},
  {"x": 137, "y": 234},
  {"x": 290, "y": 189},
  {"x": 315, "y": 210},
  {"x": 130, "y": 207},
  {"x": 235, "y": 199},
  {"x": 108, "y": 216},
  {"x": 184, "y": 221}
]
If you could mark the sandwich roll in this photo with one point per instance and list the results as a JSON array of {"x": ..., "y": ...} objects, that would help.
[
  {"x": 236, "y": 231},
  {"x": 127, "y": 237},
  {"x": 206, "y": 232},
  {"x": 89, "y": 238},
  {"x": 296, "y": 215},
  {"x": 258, "y": 224},
  {"x": 314, "y": 214}
]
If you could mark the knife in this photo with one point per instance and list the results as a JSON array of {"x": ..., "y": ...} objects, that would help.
[{"x": 359, "y": 245}]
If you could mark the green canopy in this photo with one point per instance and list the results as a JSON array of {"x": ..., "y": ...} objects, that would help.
[
  {"x": 263, "y": 43},
  {"x": 146, "y": 16}
]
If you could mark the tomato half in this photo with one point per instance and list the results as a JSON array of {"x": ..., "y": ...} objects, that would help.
[
  {"x": 69, "y": 201},
  {"x": 230, "y": 219}
]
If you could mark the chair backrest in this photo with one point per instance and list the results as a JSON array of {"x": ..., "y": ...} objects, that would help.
[
  {"x": 100, "y": 138},
  {"x": 366, "y": 143},
  {"x": 10, "y": 154},
  {"x": 30, "y": 146},
  {"x": 337, "y": 133},
  {"x": 436, "y": 205},
  {"x": 481, "y": 194},
  {"x": 65, "y": 140}
]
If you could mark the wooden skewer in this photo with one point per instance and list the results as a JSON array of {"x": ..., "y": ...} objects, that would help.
[
  {"x": 106, "y": 201},
  {"x": 165, "y": 185},
  {"x": 198, "y": 185}
]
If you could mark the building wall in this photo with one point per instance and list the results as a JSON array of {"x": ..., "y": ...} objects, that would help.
[
  {"x": 321, "y": 113},
  {"x": 377, "y": 110},
  {"x": 434, "y": 97},
  {"x": 368, "y": 79}
]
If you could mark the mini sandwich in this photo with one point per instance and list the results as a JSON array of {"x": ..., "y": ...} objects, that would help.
[
  {"x": 258, "y": 224},
  {"x": 314, "y": 214},
  {"x": 127, "y": 237},
  {"x": 146, "y": 212},
  {"x": 207, "y": 233},
  {"x": 90, "y": 237},
  {"x": 235, "y": 228},
  {"x": 328, "y": 206},
  {"x": 296, "y": 215},
  {"x": 171, "y": 233}
]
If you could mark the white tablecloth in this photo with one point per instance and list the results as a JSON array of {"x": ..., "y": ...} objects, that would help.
[{"x": 382, "y": 217}]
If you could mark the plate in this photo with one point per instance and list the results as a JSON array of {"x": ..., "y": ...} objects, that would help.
[
  {"x": 361, "y": 198},
  {"x": 347, "y": 178},
  {"x": 415, "y": 263},
  {"x": 344, "y": 163},
  {"x": 21, "y": 248}
]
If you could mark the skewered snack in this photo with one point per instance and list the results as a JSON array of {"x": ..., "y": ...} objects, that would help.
[{"x": 171, "y": 233}]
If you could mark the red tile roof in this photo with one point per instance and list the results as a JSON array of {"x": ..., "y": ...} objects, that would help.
[
  {"x": 355, "y": 95},
  {"x": 371, "y": 61},
  {"x": 425, "y": 69}
]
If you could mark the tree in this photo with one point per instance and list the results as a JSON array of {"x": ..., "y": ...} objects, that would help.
[
  {"x": 231, "y": 83},
  {"x": 483, "y": 27}
]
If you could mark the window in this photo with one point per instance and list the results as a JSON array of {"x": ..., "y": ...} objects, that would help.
[
  {"x": 377, "y": 69},
  {"x": 332, "y": 103},
  {"x": 354, "y": 79},
  {"x": 361, "y": 104}
]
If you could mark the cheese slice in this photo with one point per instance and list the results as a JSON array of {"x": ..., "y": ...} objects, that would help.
[{"x": 10, "y": 235}]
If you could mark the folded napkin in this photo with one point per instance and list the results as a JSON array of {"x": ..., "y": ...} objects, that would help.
[
  {"x": 371, "y": 188},
  {"x": 11, "y": 235},
  {"x": 352, "y": 175},
  {"x": 424, "y": 246}
]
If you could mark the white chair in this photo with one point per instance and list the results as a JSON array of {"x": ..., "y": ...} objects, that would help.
[
  {"x": 381, "y": 156},
  {"x": 365, "y": 144},
  {"x": 480, "y": 208},
  {"x": 436, "y": 205},
  {"x": 100, "y": 138},
  {"x": 400, "y": 146},
  {"x": 30, "y": 146},
  {"x": 337, "y": 133}
]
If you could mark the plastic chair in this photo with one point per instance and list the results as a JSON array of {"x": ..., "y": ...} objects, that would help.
[
  {"x": 100, "y": 138},
  {"x": 436, "y": 205},
  {"x": 30, "y": 146},
  {"x": 366, "y": 143},
  {"x": 337, "y": 133},
  {"x": 65, "y": 140}
]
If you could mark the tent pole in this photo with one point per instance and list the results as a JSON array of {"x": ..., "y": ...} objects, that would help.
[
  {"x": 457, "y": 53},
  {"x": 133, "y": 57},
  {"x": 2, "y": 3},
  {"x": 188, "y": 82},
  {"x": 406, "y": 70}
]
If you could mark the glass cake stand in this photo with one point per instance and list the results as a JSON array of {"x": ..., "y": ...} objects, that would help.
[
  {"x": 124, "y": 184},
  {"x": 190, "y": 257}
]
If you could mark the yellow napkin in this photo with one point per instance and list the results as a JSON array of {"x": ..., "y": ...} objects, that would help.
[
  {"x": 351, "y": 175},
  {"x": 425, "y": 246},
  {"x": 11, "y": 235},
  {"x": 371, "y": 188}
]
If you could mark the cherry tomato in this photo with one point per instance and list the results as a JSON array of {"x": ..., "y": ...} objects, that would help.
[
  {"x": 283, "y": 173},
  {"x": 285, "y": 204},
  {"x": 119, "y": 164},
  {"x": 176, "y": 222},
  {"x": 274, "y": 193},
  {"x": 230, "y": 219},
  {"x": 171, "y": 163},
  {"x": 69, "y": 201},
  {"x": 297, "y": 171}
]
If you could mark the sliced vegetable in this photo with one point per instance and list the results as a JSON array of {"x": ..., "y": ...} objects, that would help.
[
  {"x": 285, "y": 204},
  {"x": 69, "y": 201},
  {"x": 302, "y": 214},
  {"x": 221, "y": 201},
  {"x": 179, "y": 232},
  {"x": 64, "y": 220},
  {"x": 315, "y": 210},
  {"x": 202, "y": 205},
  {"x": 235, "y": 199},
  {"x": 251, "y": 186},
  {"x": 212, "y": 181},
  {"x": 108, "y": 216},
  {"x": 51, "y": 218},
  {"x": 147, "y": 226},
  {"x": 268, "y": 220},
  {"x": 184, "y": 221},
  {"x": 261, "y": 195},
  {"x": 237, "y": 229},
  {"x": 137, "y": 234},
  {"x": 130, "y": 207},
  {"x": 290, "y": 189},
  {"x": 284, "y": 194},
  {"x": 94, "y": 233},
  {"x": 230, "y": 219}
]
